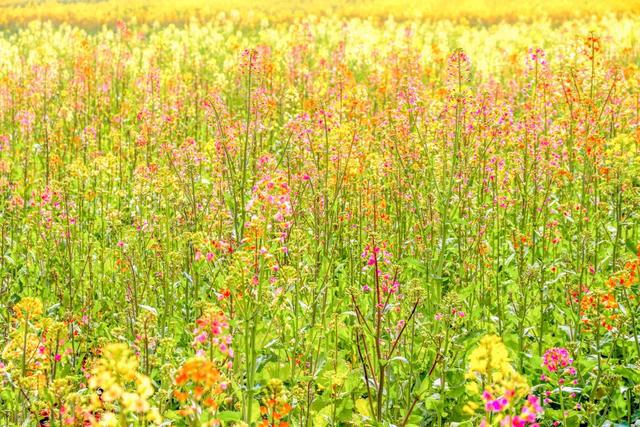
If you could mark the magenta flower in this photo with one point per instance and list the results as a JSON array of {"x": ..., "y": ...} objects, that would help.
[{"x": 555, "y": 358}]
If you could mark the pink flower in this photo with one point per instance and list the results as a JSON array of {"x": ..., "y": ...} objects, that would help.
[
  {"x": 494, "y": 405},
  {"x": 555, "y": 358}
]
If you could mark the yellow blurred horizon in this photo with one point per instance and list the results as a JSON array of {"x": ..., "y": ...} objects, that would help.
[{"x": 249, "y": 12}]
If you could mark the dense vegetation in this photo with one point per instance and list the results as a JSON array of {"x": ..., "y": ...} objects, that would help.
[{"x": 325, "y": 221}]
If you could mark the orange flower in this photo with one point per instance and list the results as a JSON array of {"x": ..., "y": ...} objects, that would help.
[{"x": 181, "y": 396}]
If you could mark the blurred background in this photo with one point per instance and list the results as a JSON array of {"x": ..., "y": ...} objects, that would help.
[{"x": 251, "y": 12}]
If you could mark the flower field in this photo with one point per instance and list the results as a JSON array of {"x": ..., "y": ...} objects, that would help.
[{"x": 214, "y": 218}]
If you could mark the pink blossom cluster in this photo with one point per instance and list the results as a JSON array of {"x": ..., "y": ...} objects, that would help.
[
  {"x": 378, "y": 257},
  {"x": 213, "y": 329},
  {"x": 555, "y": 358},
  {"x": 527, "y": 416}
]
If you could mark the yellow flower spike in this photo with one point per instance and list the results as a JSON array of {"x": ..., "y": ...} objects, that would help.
[
  {"x": 28, "y": 307},
  {"x": 126, "y": 389},
  {"x": 490, "y": 367}
]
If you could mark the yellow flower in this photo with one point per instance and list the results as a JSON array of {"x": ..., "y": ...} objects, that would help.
[
  {"x": 490, "y": 370},
  {"x": 470, "y": 408},
  {"x": 116, "y": 373},
  {"x": 109, "y": 419},
  {"x": 28, "y": 308},
  {"x": 153, "y": 415},
  {"x": 491, "y": 355},
  {"x": 112, "y": 394},
  {"x": 129, "y": 400}
]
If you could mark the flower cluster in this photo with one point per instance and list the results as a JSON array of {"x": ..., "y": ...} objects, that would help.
[
  {"x": 212, "y": 336},
  {"x": 119, "y": 389},
  {"x": 270, "y": 205},
  {"x": 200, "y": 388},
  {"x": 560, "y": 371},
  {"x": 274, "y": 408},
  {"x": 556, "y": 358},
  {"x": 317, "y": 221},
  {"x": 503, "y": 388}
]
